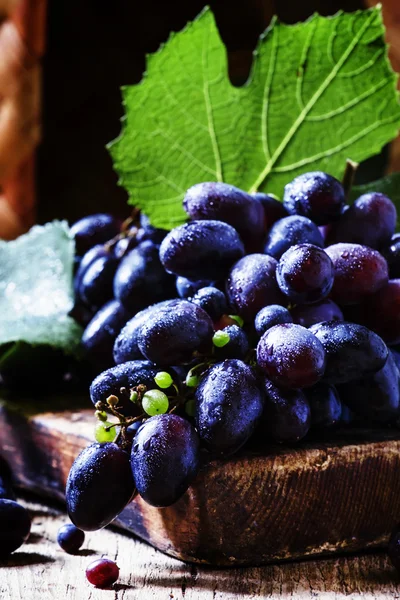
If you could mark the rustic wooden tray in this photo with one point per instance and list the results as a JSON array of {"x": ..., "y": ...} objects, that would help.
[{"x": 284, "y": 503}]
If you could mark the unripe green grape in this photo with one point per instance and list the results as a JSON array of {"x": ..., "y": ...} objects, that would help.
[
  {"x": 102, "y": 435},
  {"x": 155, "y": 402},
  {"x": 220, "y": 338},
  {"x": 163, "y": 380}
]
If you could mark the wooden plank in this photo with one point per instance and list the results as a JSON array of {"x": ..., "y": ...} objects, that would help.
[
  {"x": 258, "y": 507},
  {"x": 39, "y": 570}
]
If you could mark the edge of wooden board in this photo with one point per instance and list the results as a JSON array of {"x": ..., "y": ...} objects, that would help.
[{"x": 341, "y": 495}]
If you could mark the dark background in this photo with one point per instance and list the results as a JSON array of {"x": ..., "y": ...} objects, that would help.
[{"x": 94, "y": 47}]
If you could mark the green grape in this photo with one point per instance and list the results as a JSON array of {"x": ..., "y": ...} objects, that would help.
[
  {"x": 192, "y": 380},
  {"x": 155, "y": 402},
  {"x": 100, "y": 433},
  {"x": 190, "y": 407},
  {"x": 238, "y": 319},
  {"x": 101, "y": 415},
  {"x": 163, "y": 380},
  {"x": 133, "y": 397},
  {"x": 221, "y": 338}
]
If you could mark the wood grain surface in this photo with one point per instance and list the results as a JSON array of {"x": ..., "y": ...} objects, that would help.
[
  {"x": 40, "y": 570},
  {"x": 259, "y": 506}
]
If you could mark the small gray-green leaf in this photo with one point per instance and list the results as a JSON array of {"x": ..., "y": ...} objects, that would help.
[
  {"x": 36, "y": 291},
  {"x": 318, "y": 93}
]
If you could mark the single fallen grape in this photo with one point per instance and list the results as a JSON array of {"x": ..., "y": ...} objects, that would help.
[
  {"x": 155, "y": 402},
  {"x": 102, "y": 573},
  {"x": 70, "y": 538},
  {"x": 15, "y": 526}
]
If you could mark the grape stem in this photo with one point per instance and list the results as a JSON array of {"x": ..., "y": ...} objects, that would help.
[{"x": 348, "y": 177}]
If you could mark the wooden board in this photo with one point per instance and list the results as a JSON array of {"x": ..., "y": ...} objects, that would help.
[{"x": 283, "y": 503}]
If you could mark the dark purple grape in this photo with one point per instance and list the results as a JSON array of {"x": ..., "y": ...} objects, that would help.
[
  {"x": 229, "y": 404},
  {"x": 99, "y": 486},
  {"x": 99, "y": 336},
  {"x": 237, "y": 347},
  {"x": 132, "y": 430},
  {"x": 165, "y": 459},
  {"x": 352, "y": 351},
  {"x": 273, "y": 209},
  {"x": 201, "y": 250},
  {"x": 186, "y": 288},
  {"x": 212, "y": 300},
  {"x": 305, "y": 274},
  {"x": 290, "y": 231},
  {"x": 287, "y": 417},
  {"x": 102, "y": 572},
  {"x": 124, "y": 245},
  {"x": 359, "y": 272},
  {"x": 96, "y": 285},
  {"x": 315, "y": 195},
  {"x": 91, "y": 255},
  {"x": 370, "y": 221},
  {"x": 391, "y": 252},
  {"x": 224, "y": 202},
  {"x": 127, "y": 375},
  {"x": 147, "y": 232},
  {"x": 291, "y": 356},
  {"x": 271, "y": 315},
  {"x": 381, "y": 312},
  {"x": 325, "y": 404},
  {"x": 141, "y": 279},
  {"x": 325, "y": 310},
  {"x": 15, "y": 526},
  {"x": 92, "y": 230},
  {"x": 251, "y": 285},
  {"x": 70, "y": 538},
  {"x": 347, "y": 417},
  {"x": 375, "y": 397},
  {"x": 173, "y": 332}
]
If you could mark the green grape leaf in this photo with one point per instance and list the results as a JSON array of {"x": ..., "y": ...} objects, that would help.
[
  {"x": 36, "y": 291},
  {"x": 389, "y": 185},
  {"x": 318, "y": 92}
]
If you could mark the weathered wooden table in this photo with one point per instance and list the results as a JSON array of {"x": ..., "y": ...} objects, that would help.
[{"x": 40, "y": 570}]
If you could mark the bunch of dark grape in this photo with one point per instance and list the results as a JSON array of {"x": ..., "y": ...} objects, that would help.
[{"x": 254, "y": 320}]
